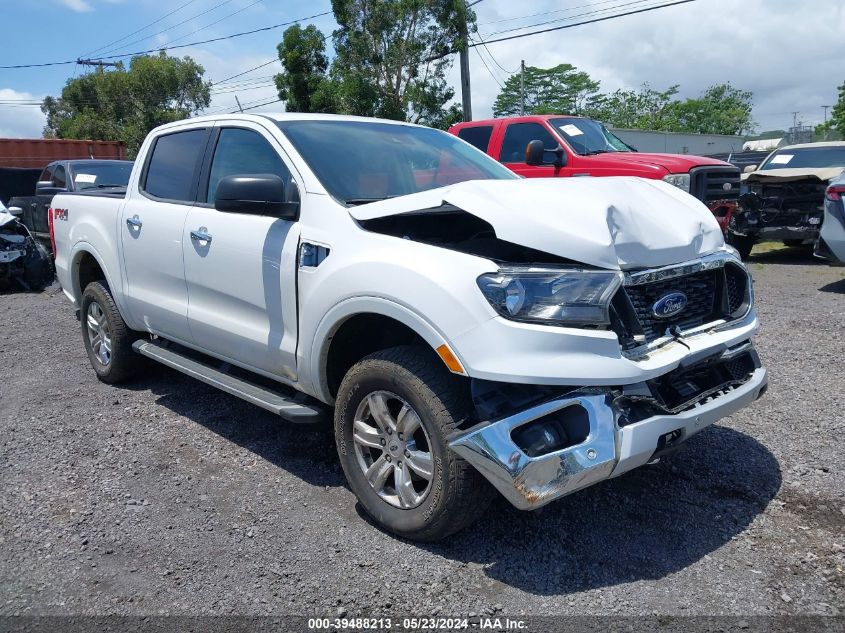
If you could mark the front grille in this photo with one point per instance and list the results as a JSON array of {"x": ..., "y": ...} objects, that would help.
[
  {"x": 708, "y": 183},
  {"x": 736, "y": 287},
  {"x": 700, "y": 290},
  {"x": 720, "y": 292}
]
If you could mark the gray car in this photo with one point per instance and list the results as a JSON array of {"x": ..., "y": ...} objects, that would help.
[{"x": 831, "y": 242}]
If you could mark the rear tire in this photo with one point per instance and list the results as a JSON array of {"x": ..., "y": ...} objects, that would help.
[
  {"x": 108, "y": 340},
  {"x": 420, "y": 489},
  {"x": 742, "y": 243}
]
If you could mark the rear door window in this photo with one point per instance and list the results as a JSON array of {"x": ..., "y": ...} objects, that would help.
[
  {"x": 172, "y": 165},
  {"x": 477, "y": 136},
  {"x": 517, "y": 137}
]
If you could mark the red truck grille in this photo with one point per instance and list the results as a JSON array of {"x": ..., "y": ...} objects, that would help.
[{"x": 714, "y": 183}]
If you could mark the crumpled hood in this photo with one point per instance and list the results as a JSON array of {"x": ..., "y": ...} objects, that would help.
[
  {"x": 822, "y": 174},
  {"x": 614, "y": 222}
]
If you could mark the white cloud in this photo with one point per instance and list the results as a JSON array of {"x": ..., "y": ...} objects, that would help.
[
  {"x": 790, "y": 62},
  {"x": 80, "y": 6},
  {"x": 20, "y": 121}
]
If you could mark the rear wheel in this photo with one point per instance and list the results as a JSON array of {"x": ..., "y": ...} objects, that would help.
[
  {"x": 394, "y": 411},
  {"x": 108, "y": 340}
]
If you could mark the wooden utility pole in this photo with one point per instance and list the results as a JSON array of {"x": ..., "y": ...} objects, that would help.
[
  {"x": 522, "y": 88},
  {"x": 466, "y": 98}
]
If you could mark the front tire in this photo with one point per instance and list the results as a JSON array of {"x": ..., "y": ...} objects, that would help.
[
  {"x": 742, "y": 243},
  {"x": 394, "y": 411},
  {"x": 108, "y": 340}
]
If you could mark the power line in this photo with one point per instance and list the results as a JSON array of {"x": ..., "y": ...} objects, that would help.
[
  {"x": 509, "y": 72},
  {"x": 225, "y": 17},
  {"x": 143, "y": 28},
  {"x": 275, "y": 59},
  {"x": 536, "y": 15},
  {"x": 593, "y": 21},
  {"x": 165, "y": 48},
  {"x": 571, "y": 17},
  {"x": 490, "y": 72},
  {"x": 170, "y": 28}
]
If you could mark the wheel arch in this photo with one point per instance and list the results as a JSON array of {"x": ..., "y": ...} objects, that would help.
[
  {"x": 86, "y": 266},
  {"x": 356, "y": 328}
]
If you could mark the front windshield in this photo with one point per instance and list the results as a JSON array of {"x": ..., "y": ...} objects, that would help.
[
  {"x": 96, "y": 174},
  {"x": 586, "y": 136},
  {"x": 806, "y": 157},
  {"x": 364, "y": 161}
]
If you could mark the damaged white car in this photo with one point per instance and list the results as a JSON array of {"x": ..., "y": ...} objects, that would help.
[
  {"x": 786, "y": 194},
  {"x": 24, "y": 262},
  {"x": 469, "y": 331}
]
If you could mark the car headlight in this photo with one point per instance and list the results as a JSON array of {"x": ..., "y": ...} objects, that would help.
[
  {"x": 681, "y": 181},
  {"x": 552, "y": 296}
]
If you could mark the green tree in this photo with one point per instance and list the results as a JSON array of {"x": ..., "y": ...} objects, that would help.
[
  {"x": 303, "y": 84},
  {"x": 126, "y": 104},
  {"x": 722, "y": 109},
  {"x": 392, "y": 56},
  {"x": 562, "y": 89},
  {"x": 643, "y": 109},
  {"x": 837, "y": 118}
]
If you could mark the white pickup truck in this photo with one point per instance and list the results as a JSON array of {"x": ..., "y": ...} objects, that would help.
[{"x": 470, "y": 330}]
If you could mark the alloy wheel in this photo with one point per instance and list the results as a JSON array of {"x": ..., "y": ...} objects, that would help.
[
  {"x": 99, "y": 334},
  {"x": 393, "y": 449}
]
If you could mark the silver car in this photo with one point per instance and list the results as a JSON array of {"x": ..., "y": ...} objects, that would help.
[{"x": 831, "y": 242}]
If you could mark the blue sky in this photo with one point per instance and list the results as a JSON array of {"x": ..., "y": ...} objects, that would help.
[{"x": 784, "y": 51}]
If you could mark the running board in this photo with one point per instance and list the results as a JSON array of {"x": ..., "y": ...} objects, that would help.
[{"x": 284, "y": 406}]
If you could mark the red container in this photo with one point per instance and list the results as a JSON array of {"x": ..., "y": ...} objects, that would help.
[{"x": 38, "y": 152}]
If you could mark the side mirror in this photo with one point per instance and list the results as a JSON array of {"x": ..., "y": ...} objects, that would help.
[
  {"x": 749, "y": 168},
  {"x": 256, "y": 194},
  {"x": 15, "y": 210},
  {"x": 46, "y": 187},
  {"x": 535, "y": 153}
]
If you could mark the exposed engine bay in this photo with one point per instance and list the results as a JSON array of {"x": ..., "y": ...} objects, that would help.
[
  {"x": 787, "y": 210},
  {"x": 24, "y": 262},
  {"x": 453, "y": 228}
]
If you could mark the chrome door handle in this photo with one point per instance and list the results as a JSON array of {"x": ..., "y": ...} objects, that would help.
[
  {"x": 134, "y": 222},
  {"x": 201, "y": 235}
]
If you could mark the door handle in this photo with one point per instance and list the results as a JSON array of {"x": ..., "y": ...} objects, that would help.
[
  {"x": 201, "y": 235},
  {"x": 134, "y": 222}
]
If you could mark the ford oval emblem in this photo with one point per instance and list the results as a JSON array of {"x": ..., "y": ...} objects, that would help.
[{"x": 669, "y": 305}]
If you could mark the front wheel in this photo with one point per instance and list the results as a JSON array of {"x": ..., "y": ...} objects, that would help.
[
  {"x": 394, "y": 411},
  {"x": 742, "y": 243}
]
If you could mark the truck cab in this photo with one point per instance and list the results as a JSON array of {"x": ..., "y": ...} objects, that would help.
[{"x": 579, "y": 146}]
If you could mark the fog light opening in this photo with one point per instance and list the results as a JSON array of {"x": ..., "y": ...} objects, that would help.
[{"x": 567, "y": 427}]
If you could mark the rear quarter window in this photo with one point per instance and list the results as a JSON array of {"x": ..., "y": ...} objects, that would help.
[
  {"x": 477, "y": 136},
  {"x": 172, "y": 165}
]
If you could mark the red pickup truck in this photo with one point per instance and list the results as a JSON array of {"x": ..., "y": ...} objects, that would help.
[{"x": 578, "y": 146}]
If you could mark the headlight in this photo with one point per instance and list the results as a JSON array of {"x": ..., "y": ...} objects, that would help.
[
  {"x": 555, "y": 297},
  {"x": 681, "y": 181}
]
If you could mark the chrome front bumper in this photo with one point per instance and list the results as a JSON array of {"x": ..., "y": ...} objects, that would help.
[{"x": 609, "y": 450}]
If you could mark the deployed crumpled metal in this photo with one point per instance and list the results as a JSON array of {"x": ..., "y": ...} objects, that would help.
[{"x": 24, "y": 262}]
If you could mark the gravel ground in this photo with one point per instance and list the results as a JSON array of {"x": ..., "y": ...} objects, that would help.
[{"x": 168, "y": 497}]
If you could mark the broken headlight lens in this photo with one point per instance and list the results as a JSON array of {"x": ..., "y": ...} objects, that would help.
[
  {"x": 681, "y": 181},
  {"x": 552, "y": 297}
]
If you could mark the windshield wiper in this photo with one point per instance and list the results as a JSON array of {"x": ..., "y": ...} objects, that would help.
[
  {"x": 356, "y": 201},
  {"x": 592, "y": 152}
]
